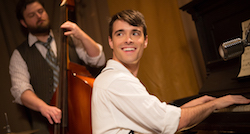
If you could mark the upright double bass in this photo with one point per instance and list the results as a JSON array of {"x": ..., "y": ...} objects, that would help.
[{"x": 73, "y": 95}]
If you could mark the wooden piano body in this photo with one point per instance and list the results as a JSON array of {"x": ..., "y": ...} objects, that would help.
[{"x": 218, "y": 21}]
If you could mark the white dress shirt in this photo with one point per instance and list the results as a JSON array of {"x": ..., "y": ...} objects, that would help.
[
  {"x": 20, "y": 77},
  {"x": 120, "y": 103}
]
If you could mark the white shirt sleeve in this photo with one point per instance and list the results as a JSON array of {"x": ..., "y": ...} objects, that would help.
[
  {"x": 134, "y": 101},
  {"x": 92, "y": 61},
  {"x": 20, "y": 77}
]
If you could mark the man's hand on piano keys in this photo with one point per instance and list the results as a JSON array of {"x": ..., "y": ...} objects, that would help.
[
  {"x": 198, "y": 101},
  {"x": 198, "y": 109},
  {"x": 228, "y": 100}
]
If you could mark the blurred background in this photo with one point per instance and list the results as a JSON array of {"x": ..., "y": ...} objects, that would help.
[{"x": 171, "y": 68}]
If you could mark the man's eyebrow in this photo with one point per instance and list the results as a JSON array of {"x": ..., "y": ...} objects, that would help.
[
  {"x": 121, "y": 30},
  {"x": 136, "y": 30},
  {"x": 36, "y": 10}
]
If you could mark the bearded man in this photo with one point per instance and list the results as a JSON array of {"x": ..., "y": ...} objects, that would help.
[{"x": 33, "y": 76}]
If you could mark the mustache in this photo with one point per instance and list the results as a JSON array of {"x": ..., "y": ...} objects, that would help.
[{"x": 39, "y": 20}]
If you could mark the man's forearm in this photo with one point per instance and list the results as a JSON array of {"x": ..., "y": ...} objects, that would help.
[
  {"x": 194, "y": 115},
  {"x": 30, "y": 100}
]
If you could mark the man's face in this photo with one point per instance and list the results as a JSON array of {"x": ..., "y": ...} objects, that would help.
[
  {"x": 36, "y": 18},
  {"x": 127, "y": 42}
]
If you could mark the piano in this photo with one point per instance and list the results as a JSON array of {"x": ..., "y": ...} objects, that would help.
[
  {"x": 218, "y": 21},
  {"x": 231, "y": 120}
]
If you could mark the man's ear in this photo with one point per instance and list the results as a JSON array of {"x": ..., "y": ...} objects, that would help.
[
  {"x": 23, "y": 23},
  {"x": 110, "y": 42},
  {"x": 146, "y": 41}
]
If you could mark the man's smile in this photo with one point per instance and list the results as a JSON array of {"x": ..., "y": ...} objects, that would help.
[{"x": 129, "y": 49}]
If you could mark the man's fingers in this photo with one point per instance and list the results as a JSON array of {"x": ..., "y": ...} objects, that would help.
[
  {"x": 56, "y": 115},
  {"x": 49, "y": 119},
  {"x": 68, "y": 33}
]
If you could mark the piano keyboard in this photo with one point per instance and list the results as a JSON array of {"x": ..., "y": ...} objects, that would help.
[{"x": 235, "y": 108}]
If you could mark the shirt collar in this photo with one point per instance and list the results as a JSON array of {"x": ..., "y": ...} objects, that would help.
[
  {"x": 32, "y": 38},
  {"x": 115, "y": 65}
]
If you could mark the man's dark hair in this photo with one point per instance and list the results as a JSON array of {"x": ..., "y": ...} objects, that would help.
[
  {"x": 132, "y": 17},
  {"x": 21, "y": 6}
]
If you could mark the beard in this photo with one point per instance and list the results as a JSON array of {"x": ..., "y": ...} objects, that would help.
[{"x": 40, "y": 29}]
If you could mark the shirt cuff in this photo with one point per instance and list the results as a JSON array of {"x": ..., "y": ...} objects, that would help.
[{"x": 92, "y": 61}]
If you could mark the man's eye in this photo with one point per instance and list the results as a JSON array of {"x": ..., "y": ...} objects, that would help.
[
  {"x": 31, "y": 15},
  {"x": 40, "y": 11},
  {"x": 119, "y": 34},
  {"x": 136, "y": 33}
]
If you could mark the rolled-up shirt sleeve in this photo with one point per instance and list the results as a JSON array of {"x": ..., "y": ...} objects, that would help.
[
  {"x": 97, "y": 61},
  {"x": 20, "y": 77},
  {"x": 144, "y": 109}
]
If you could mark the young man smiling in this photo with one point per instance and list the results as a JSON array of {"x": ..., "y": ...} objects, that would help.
[
  {"x": 120, "y": 102},
  {"x": 128, "y": 43}
]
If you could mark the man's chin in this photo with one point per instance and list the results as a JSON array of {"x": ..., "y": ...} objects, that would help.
[
  {"x": 40, "y": 30},
  {"x": 43, "y": 28}
]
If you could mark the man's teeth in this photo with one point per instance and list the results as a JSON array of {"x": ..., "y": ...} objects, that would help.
[{"x": 128, "y": 49}]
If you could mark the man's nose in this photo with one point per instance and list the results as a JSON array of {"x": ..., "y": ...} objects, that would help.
[
  {"x": 38, "y": 15},
  {"x": 129, "y": 39}
]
